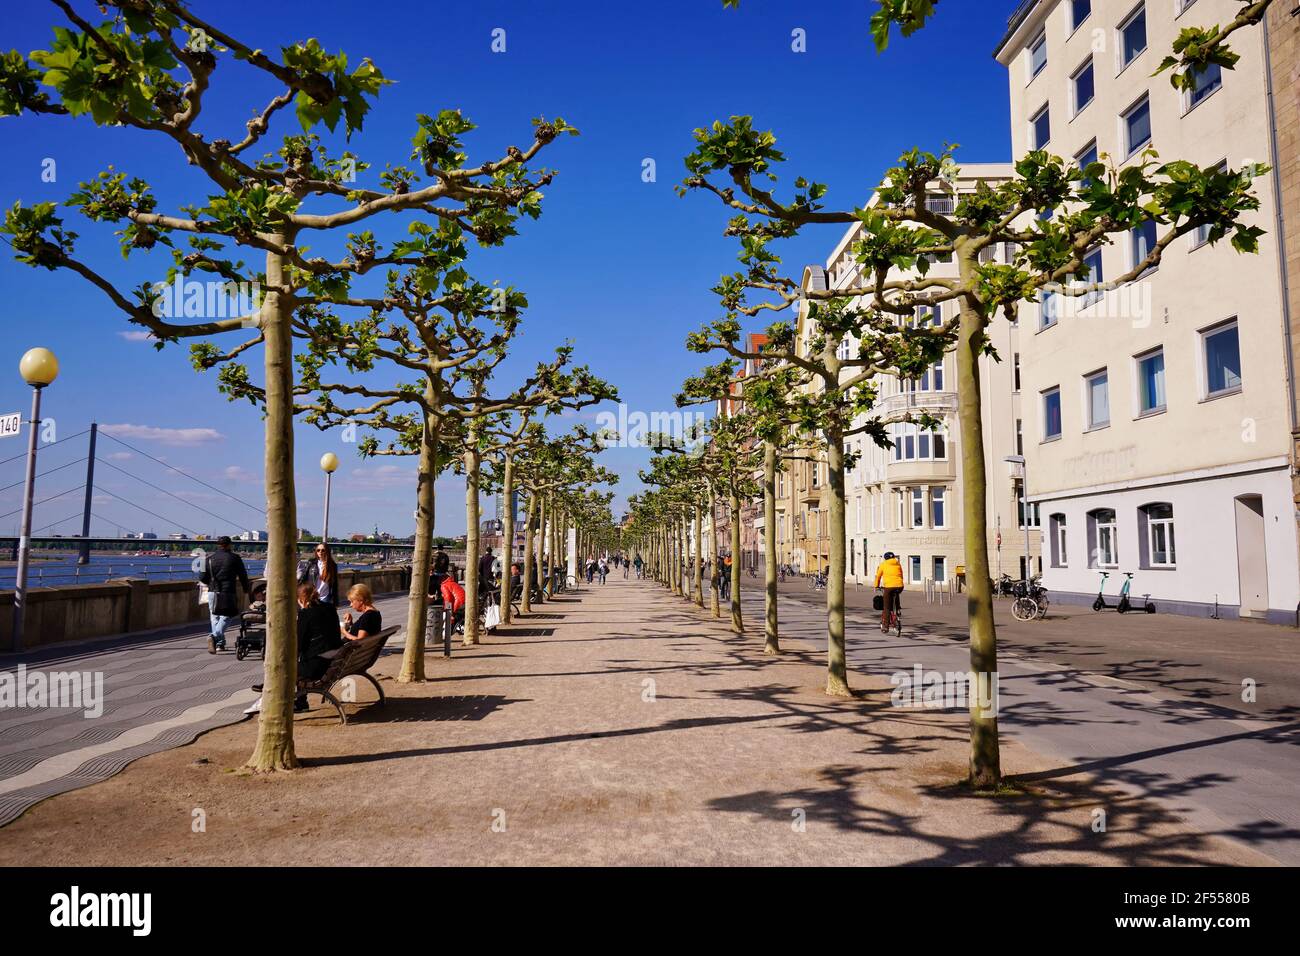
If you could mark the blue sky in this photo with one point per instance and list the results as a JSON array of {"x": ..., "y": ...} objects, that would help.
[{"x": 619, "y": 266}]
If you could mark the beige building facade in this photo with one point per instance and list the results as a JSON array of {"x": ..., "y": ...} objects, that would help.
[
  {"x": 1159, "y": 417},
  {"x": 908, "y": 498}
]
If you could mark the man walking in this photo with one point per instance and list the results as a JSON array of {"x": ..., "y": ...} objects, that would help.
[{"x": 222, "y": 572}]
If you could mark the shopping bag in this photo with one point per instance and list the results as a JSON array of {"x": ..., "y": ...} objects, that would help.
[
  {"x": 878, "y": 602},
  {"x": 492, "y": 616}
]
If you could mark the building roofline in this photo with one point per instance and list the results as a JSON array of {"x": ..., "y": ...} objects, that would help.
[{"x": 1014, "y": 23}]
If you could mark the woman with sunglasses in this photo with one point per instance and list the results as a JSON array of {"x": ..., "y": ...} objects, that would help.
[{"x": 322, "y": 574}]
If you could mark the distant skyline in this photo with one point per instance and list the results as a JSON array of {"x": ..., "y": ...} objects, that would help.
[{"x": 620, "y": 266}]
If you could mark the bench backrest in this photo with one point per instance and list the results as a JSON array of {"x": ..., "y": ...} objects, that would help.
[{"x": 356, "y": 657}]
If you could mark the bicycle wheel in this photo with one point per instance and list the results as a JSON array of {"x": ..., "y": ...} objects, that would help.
[
  {"x": 898, "y": 623},
  {"x": 1025, "y": 609}
]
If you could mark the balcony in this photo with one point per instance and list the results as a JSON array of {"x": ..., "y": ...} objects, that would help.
[{"x": 896, "y": 406}]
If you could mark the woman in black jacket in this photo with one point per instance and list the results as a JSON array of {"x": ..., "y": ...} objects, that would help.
[
  {"x": 318, "y": 634},
  {"x": 322, "y": 574}
]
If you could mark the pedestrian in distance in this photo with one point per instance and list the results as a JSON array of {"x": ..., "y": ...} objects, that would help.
[{"x": 223, "y": 573}]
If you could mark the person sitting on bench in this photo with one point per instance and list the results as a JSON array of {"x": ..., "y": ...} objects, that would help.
[
  {"x": 369, "y": 620},
  {"x": 453, "y": 599},
  {"x": 318, "y": 634}
]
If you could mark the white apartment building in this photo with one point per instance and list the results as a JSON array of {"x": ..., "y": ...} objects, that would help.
[
  {"x": 1158, "y": 416},
  {"x": 908, "y": 498}
]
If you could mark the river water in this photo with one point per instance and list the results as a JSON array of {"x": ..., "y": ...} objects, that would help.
[{"x": 63, "y": 569}]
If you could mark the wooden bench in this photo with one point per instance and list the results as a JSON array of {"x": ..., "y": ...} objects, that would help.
[{"x": 354, "y": 659}]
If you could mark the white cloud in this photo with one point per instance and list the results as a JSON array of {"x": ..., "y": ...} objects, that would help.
[
  {"x": 167, "y": 436},
  {"x": 137, "y": 335},
  {"x": 379, "y": 477},
  {"x": 120, "y": 456},
  {"x": 238, "y": 473}
]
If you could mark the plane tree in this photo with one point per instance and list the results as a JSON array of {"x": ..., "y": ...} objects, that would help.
[
  {"x": 150, "y": 68},
  {"x": 1050, "y": 213}
]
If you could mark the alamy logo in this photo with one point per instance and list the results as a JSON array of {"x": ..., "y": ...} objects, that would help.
[
  {"x": 70, "y": 690},
  {"x": 72, "y": 909},
  {"x": 191, "y": 299},
  {"x": 941, "y": 690}
]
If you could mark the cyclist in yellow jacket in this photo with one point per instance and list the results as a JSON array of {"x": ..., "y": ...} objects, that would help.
[{"x": 889, "y": 578}]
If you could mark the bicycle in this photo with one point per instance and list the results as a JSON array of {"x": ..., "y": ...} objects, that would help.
[
  {"x": 1030, "y": 602},
  {"x": 896, "y": 616}
]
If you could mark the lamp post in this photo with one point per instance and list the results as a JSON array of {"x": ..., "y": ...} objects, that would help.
[
  {"x": 329, "y": 462},
  {"x": 38, "y": 368},
  {"x": 1018, "y": 464}
]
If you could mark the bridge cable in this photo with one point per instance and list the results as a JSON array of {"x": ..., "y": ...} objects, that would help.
[{"x": 261, "y": 511}]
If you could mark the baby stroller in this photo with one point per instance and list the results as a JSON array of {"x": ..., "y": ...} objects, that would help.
[{"x": 252, "y": 623}]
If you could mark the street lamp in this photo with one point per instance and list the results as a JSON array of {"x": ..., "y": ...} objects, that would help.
[
  {"x": 38, "y": 368},
  {"x": 329, "y": 462},
  {"x": 1019, "y": 465}
]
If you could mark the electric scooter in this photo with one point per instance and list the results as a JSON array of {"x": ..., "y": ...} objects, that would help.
[{"x": 1125, "y": 605}]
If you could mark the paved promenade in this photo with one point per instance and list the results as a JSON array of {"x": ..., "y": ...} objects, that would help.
[{"x": 623, "y": 726}]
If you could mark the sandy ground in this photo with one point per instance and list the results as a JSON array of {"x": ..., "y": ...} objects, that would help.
[{"x": 623, "y": 726}]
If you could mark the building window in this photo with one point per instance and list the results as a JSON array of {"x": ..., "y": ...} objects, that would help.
[
  {"x": 1142, "y": 240},
  {"x": 1051, "y": 414},
  {"x": 1133, "y": 36},
  {"x": 918, "y": 507},
  {"x": 1037, "y": 55},
  {"x": 940, "y": 569},
  {"x": 1104, "y": 538},
  {"x": 1015, "y": 372},
  {"x": 914, "y": 566},
  {"x": 1222, "y": 360},
  {"x": 1019, "y": 490},
  {"x": 1060, "y": 556},
  {"x": 1097, "y": 391},
  {"x": 1084, "y": 87},
  {"x": 1137, "y": 126},
  {"x": 1204, "y": 82},
  {"x": 1151, "y": 382},
  {"x": 1159, "y": 520},
  {"x": 1020, "y": 436},
  {"x": 1048, "y": 308},
  {"x": 1080, "y": 10},
  {"x": 1041, "y": 127},
  {"x": 938, "y": 509},
  {"x": 1087, "y": 156},
  {"x": 912, "y": 443},
  {"x": 1202, "y": 234},
  {"x": 1095, "y": 277}
]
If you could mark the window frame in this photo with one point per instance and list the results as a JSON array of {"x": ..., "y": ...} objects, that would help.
[
  {"x": 1075, "y": 24},
  {"x": 1097, "y": 526},
  {"x": 1167, "y": 524},
  {"x": 1189, "y": 96},
  {"x": 1088, "y": 65},
  {"x": 1045, "y": 111},
  {"x": 1131, "y": 150},
  {"x": 1204, "y": 335},
  {"x": 1088, "y": 380},
  {"x": 1055, "y": 390},
  {"x": 1139, "y": 382},
  {"x": 1058, "y": 525},
  {"x": 1138, "y": 11},
  {"x": 1039, "y": 41}
]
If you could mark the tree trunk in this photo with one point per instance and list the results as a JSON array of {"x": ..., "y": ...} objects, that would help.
[
  {"x": 542, "y": 512},
  {"x": 473, "y": 460},
  {"x": 772, "y": 642},
  {"x": 417, "y": 604},
  {"x": 274, "y": 749},
  {"x": 508, "y": 535},
  {"x": 985, "y": 762},
  {"x": 530, "y": 561},
  {"x": 737, "y": 622},
  {"x": 837, "y": 679},
  {"x": 697, "y": 564},
  {"x": 713, "y": 553}
]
